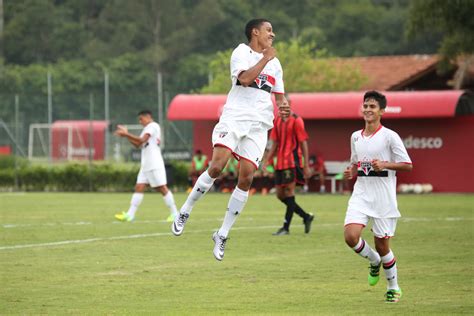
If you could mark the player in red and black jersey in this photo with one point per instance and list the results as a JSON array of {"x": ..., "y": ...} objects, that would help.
[{"x": 290, "y": 144}]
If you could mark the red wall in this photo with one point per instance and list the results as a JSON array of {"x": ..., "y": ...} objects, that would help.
[{"x": 449, "y": 168}]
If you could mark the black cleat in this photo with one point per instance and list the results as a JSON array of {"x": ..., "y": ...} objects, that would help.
[
  {"x": 307, "y": 223},
  {"x": 282, "y": 231}
]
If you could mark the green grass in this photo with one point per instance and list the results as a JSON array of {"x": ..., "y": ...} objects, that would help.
[{"x": 261, "y": 273}]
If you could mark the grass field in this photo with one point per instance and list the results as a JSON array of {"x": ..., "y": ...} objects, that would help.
[{"x": 64, "y": 254}]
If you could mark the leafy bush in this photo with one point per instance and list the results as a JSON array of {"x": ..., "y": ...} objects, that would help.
[{"x": 80, "y": 177}]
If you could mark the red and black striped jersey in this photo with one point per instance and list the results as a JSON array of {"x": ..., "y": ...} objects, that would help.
[{"x": 288, "y": 134}]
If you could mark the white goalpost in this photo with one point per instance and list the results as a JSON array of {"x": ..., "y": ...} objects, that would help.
[{"x": 67, "y": 142}]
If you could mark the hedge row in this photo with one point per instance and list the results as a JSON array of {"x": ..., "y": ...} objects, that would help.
[{"x": 81, "y": 177}]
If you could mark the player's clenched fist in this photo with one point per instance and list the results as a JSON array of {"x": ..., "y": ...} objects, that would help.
[
  {"x": 269, "y": 53},
  {"x": 348, "y": 173},
  {"x": 378, "y": 165}
]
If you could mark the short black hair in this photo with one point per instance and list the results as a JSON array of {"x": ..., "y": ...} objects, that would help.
[
  {"x": 377, "y": 96},
  {"x": 145, "y": 112},
  {"x": 253, "y": 24}
]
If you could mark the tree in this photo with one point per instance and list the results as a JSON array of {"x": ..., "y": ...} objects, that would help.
[
  {"x": 306, "y": 69},
  {"x": 453, "y": 18}
]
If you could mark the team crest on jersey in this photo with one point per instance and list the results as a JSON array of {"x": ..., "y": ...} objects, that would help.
[
  {"x": 261, "y": 80},
  {"x": 223, "y": 134},
  {"x": 366, "y": 166}
]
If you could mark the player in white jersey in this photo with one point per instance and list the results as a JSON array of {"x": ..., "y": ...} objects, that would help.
[
  {"x": 377, "y": 153},
  {"x": 152, "y": 171},
  {"x": 243, "y": 126}
]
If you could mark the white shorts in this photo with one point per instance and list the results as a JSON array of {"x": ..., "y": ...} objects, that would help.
[
  {"x": 155, "y": 178},
  {"x": 382, "y": 227},
  {"x": 246, "y": 139}
]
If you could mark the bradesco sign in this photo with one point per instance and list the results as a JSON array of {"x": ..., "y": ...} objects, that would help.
[{"x": 412, "y": 142}]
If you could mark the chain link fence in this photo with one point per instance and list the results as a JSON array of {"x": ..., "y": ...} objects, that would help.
[{"x": 28, "y": 129}]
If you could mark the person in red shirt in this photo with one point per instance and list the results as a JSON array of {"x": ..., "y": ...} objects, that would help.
[{"x": 290, "y": 144}]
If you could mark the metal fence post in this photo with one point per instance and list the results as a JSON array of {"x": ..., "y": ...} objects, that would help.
[
  {"x": 107, "y": 114},
  {"x": 91, "y": 137},
  {"x": 50, "y": 116},
  {"x": 17, "y": 133},
  {"x": 159, "y": 81}
]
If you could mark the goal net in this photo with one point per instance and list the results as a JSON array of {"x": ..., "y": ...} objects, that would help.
[{"x": 68, "y": 142}]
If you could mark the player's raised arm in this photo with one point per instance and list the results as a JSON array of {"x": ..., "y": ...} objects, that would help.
[
  {"x": 135, "y": 140},
  {"x": 247, "y": 77}
]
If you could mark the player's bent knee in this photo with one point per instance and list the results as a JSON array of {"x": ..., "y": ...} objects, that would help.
[
  {"x": 245, "y": 181},
  {"x": 351, "y": 238},
  {"x": 163, "y": 189},
  {"x": 382, "y": 245},
  {"x": 140, "y": 188},
  {"x": 214, "y": 171}
]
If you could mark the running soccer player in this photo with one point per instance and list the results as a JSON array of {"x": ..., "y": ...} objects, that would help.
[
  {"x": 152, "y": 172},
  {"x": 243, "y": 126},
  {"x": 376, "y": 154},
  {"x": 290, "y": 142}
]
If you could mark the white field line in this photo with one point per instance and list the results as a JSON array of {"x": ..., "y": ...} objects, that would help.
[
  {"x": 90, "y": 240},
  {"x": 107, "y": 223},
  {"x": 249, "y": 219}
]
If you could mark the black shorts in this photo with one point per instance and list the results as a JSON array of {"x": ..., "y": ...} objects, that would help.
[{"x": 287, "y": 176}]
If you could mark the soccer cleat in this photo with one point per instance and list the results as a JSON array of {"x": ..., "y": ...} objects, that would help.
[
  {"x": 374, "y": 274},
  {"x": 171, "y": 218},
  {"x": 307, "y": 223},
  {"x": 393, "y": 296},
  {"x": 124, "y": 217},
  {"x": 178, "y": 224},
  {"x": 282, "y": 231},
  {"x": 219, "y": 246}
]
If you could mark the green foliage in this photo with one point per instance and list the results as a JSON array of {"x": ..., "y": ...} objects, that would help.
[
  {"x": 453, "y": 18},
  {"x": 305, "y": 68},
  {"x": 74, "y": 177},
  {"x": 8, "y": 162},
  {"x": 77, "y": 40}
]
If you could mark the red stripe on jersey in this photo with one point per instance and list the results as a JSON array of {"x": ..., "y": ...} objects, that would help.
[{"x": 269, "y": 78}]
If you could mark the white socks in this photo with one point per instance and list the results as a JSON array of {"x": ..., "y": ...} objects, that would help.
[
  {"x": 203, "y": 184},
  {"x": 234, "y": 208},
  {"x": 390, "y": 268},
  {"x": 363, "y": 249},
  {"x": 169, "y": 201},
  {"x": 137, "y": 199}
]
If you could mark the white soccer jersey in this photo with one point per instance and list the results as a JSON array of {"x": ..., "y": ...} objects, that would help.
[
  {"x": 151, "y": 151},
  {"x": 252, "y": 103},
  {"x": 375, "y": 192}
]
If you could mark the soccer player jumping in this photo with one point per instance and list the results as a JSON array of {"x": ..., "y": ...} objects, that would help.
[
  {"x": 242, "y": 130},
  {"x": 376, "y": 154}
]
